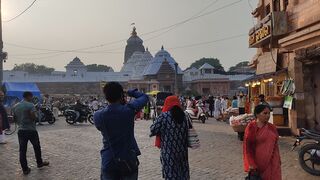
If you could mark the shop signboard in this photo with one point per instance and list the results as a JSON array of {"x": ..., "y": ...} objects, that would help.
[
  {"x": 261, "y": 33},
  {"x": 273, "y": 25}
]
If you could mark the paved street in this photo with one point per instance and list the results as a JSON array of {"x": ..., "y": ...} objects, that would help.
[{"x": 73, "y": 152}]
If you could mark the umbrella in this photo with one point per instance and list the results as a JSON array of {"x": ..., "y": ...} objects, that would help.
[{"x": 153, "y": 92}]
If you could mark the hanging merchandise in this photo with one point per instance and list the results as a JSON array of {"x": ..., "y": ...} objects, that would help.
[
  {"x": 288, "y": 102},
  {"x": 288, "y": 87}
]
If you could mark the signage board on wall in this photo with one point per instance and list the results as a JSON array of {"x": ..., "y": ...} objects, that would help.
[{"x": 275, "y": 24}]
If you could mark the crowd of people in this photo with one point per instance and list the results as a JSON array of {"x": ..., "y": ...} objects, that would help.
[{"x": 119, "y": 155}]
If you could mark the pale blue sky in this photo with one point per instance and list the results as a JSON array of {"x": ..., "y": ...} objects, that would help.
[{"x": 76, "y": 24}]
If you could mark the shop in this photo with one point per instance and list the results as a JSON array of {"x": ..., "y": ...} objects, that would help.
[
  {"x": 270, "y": 85},
  {"x": 287, "y": 36}
]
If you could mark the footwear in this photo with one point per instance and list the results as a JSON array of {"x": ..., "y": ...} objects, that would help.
[
  {"x": 26, "y": 172},
  {"x": 44, "y": 163}
]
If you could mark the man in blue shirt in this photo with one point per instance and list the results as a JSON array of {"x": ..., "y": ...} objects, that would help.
[{"x": 116, "y": 123}]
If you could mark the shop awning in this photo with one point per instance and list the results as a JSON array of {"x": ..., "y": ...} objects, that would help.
[{"x": 266, "y": 75}]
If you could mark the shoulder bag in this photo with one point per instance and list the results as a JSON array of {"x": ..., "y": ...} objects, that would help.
[
  {"x": 125, "y": 166},
  {"x": 193, "y": 140}
]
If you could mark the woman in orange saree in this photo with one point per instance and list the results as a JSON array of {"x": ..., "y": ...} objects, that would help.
[{"x": 260, "y": 146}]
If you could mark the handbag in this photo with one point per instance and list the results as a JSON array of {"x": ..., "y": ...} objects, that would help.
[
  {"x": 253, "y": 175},
  {"x": 125, "y": 166},
  {"x": 193, "y": 140}
]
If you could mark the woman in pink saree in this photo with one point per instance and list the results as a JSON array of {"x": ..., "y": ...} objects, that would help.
[{"x": 260, "y": 146}]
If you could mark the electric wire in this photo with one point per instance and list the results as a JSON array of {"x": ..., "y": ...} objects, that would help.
[
  {"x": 172, "y": 48},
  {"x": 20, "y": 14},
  {"x": 143, "y": 34},
  {"x": 208, "y": 42},
  {"x": 198, "y": 13}
]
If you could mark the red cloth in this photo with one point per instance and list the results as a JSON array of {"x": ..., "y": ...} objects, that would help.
[
  {"x": 261, "y": 150},
  {"x": 157, "y": 142},
  {"x": 168, "y": 104}
]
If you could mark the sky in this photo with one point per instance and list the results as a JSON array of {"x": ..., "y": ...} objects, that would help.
[{"x": 53, "y": 32}]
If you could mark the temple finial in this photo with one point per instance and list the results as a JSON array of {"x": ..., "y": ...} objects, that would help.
[{"x": 134, "y": 32}]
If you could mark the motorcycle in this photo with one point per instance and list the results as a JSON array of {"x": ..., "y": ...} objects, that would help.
[
  {"x": 46, "y": 115},
  {"x": 201, "y": 116},
  {"x": 309, "y": 154},
  {"x": 72, "y": 115}
]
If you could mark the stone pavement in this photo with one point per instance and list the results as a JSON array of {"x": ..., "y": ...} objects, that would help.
[{"x": 73, "y": 152}]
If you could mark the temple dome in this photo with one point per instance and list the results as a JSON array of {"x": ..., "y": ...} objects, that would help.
[
  {"x": 76, "y": 62},
  {"x": 134, "y": 43},
  {"x": 137, "y": 63},
  {"x": 157, "y": 61},
  {"x": 134, "y": 39}
]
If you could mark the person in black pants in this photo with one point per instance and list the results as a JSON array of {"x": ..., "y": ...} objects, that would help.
[
  {"x": 211, "y": 105},
  {"x": 241, "y": 106},
  {"x": 25, "y": 116}
]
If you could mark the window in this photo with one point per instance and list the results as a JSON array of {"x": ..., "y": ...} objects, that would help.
[
  {"x": 276, "y": 5},
  {"x": 285, "y": 4},
  {"x": 267, "y": 10},
  {"x": 207, "y": 71}
]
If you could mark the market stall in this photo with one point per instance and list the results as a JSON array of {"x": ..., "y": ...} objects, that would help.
[{"x": 240, "y": 122}]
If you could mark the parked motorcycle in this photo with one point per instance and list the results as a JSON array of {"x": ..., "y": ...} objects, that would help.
[
  {"x": 46, "y": 115},
  {"x": 72, "y": 115},
  {"x": 62, "y": 108},
  {"x": 201, "y": 116},
  {"x": 309, "y": 154}
]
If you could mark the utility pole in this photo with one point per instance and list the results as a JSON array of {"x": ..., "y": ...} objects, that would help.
[
  {"x": 1, "y": 49},
  {"x": 3, "y": 55}
]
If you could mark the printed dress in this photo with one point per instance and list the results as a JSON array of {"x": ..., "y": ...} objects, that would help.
[{"x": 174, "y": 147}]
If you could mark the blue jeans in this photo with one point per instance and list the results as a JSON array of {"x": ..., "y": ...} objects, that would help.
[{"x": 117, "y": 176}]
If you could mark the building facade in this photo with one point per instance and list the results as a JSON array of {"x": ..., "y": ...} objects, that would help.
[
  {"x": 287, "y": 38},
  {"x": 204, "y": 81}
]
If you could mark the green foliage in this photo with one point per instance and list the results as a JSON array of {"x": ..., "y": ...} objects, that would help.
[
  {"x": 212, "y": 61},
  {"x": 98, "y": 68},
  {"x": 239, "y": 65},
  {"x": 33, "y": 68}
]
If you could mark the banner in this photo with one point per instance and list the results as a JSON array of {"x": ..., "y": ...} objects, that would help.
[{"x": 288, "y": 102}]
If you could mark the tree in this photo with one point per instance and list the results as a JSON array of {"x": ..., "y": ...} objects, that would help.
[
  {"x": 212, "y": 61},
  {"x": 98, "y": 68},
  {"x": 33, "y": 68},
  {"x": 241, "y": 67}
]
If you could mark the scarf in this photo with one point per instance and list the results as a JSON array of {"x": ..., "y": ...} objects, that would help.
[{"x": 170, "y": 102}]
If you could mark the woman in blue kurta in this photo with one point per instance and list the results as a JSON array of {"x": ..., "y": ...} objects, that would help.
[{"x": 172, "y": 128}]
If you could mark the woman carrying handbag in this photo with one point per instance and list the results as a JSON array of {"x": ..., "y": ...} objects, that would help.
[
  {"x": 172, "y": 128},
  {"x": 261, "y": 155}
]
